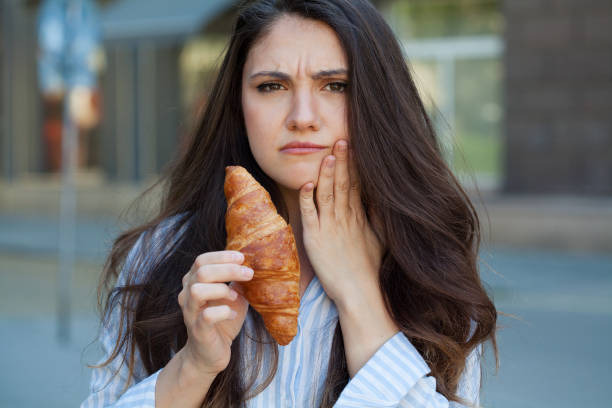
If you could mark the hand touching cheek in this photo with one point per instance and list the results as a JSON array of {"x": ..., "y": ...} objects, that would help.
[{"x": 341, "y": 245}]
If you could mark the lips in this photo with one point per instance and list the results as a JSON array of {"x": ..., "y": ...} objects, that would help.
[
  {"x": 302, "y": 145},
  {"x": 301, "y": 148}
]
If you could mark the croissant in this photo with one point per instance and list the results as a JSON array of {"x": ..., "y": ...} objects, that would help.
[{"x": 256, "y": 229}]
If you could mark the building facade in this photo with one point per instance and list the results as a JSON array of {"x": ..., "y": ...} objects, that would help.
[
  {"x": 558, "y": 103},
  {"x": 557, "y": 64}
]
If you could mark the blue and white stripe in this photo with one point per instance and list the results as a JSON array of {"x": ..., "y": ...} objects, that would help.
[{"x": 395, "y": 376}]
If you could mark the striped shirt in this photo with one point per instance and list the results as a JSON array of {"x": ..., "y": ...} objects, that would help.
[{"x": 395, "y": 375}]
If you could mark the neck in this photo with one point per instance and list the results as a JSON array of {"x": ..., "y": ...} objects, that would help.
[{"x": 292, "y": 198}]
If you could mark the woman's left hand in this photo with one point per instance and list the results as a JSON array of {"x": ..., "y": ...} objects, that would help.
[{"x": 342, "y": 247}]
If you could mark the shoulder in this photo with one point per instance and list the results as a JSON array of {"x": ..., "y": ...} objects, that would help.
[
  {"x": 475, "y": 355},
  {"x": 473, "y": 359},
  {"x": 152, "y": 246},
  {"x": 469, "y": 381},
  {"x": 162, "y": 231}
]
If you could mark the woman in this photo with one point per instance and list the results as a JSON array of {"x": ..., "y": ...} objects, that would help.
[{"x": 393, "y": 312}]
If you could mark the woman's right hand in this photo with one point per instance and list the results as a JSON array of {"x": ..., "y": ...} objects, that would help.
[{"x": 213, "y": 311}]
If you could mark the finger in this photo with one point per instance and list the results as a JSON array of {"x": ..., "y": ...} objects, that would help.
[
  {"x": 342, "y": 180},
  {"x": 355, "y": 188},
  {"x": 214, "y": 273},
  {"x": 200, "y": 293},
  {"x": 325, "y": 188},
  {"x": 216, "y": 314},
  {"x": 218, "y": 257},
  {"x": 310, "y": 219}
]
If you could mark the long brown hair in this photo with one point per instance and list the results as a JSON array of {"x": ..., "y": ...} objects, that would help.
[{"x": 429, "y": 272}]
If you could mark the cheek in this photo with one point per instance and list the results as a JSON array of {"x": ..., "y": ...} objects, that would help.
[
  {"x": 258, "y": 127},
  {"x": 252, "y": 114},
  {"x": 341, "y": 122}
]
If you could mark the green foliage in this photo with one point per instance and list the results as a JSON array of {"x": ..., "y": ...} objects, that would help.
[
  {"x": 477, "y": 126},
  {"x": 440, "y": 18},
  {"x": 478, "y": 114},
  {"x": 477, "y": 154}
]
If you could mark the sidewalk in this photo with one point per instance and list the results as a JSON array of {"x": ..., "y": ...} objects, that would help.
[
  {"x": 41, "y": 195},
  {"x": 40, "y": 235},
  {"x": 30, "y": 211},
  {"x": 560, "y": 301},
  {"x": 39, "y": 371},
  {"x": 29, "y": 217},
  {"x": 569, "y": 223},
  {"x": 548, "y": 290}
]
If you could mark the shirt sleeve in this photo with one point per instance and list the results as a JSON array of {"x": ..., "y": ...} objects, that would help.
[
  {"x": 107, "y": 385},
  {"x": 396, "y": 376}
]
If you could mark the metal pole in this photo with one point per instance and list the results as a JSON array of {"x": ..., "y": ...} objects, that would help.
[
  {"x": 67, "y": 223},
  {"x": 67, "y": 205}
]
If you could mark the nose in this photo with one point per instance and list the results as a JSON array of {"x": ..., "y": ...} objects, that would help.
[{"x": 303, "y": 114}]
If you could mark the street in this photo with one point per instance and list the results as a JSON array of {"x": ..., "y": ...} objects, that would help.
[{"x": 554, "y": 351}]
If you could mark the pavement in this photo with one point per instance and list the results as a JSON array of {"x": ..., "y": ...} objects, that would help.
[
  {"x": 40, "y": 235},
  {"x": 557, "y": 222},
  {"x": 38, "y": 369},
  {"x": 554, "y": 343}
]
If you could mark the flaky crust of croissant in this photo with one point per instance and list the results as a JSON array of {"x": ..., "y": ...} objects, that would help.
[{"x": 255, "y": 228}]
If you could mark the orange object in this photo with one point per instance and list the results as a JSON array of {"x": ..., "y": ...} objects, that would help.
[
  {"x": 255, "y": 228},
  {"x": 52, "y": 131}
]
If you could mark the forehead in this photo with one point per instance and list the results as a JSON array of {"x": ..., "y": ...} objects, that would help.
[{"x": 295, "y": 43}]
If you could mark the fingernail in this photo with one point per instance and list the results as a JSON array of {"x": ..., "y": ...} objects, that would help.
[
  {"x": 233, "y": 295},
  {"x": 342, "y": 146},
  {"x": 247, "y": 272},
  {"x": 308, "y": 188},
  {"x": 238, "y": 256},
  {"x": 331, "y": 161}
]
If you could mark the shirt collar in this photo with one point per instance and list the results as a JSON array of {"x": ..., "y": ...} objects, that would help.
[{"x": 313, "y": 291}]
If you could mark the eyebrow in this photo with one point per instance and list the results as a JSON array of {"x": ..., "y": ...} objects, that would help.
[{"x": 286, "y": 77}]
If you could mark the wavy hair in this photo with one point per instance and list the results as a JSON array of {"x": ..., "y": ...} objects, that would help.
[{"x": 429, "y": 273}]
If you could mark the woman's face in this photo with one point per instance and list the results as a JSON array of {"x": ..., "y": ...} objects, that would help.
[{"x": 287, "y": 98}]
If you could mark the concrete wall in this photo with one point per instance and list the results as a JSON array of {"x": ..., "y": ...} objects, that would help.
[{"x": 558, "y": 96}]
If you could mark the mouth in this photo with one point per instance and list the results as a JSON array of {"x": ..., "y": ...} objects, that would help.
[{"x": 301, "y": 148}]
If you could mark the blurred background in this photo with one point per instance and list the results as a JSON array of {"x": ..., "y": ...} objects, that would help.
[{"x": 521, "y": 94}]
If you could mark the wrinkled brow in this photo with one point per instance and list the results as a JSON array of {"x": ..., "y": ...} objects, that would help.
[{"x": 286, "y": 77}]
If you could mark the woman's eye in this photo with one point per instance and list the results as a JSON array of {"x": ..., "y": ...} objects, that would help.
[
  {"x": 337, "y": 86},
  {"x": 269, "y": 87}
]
